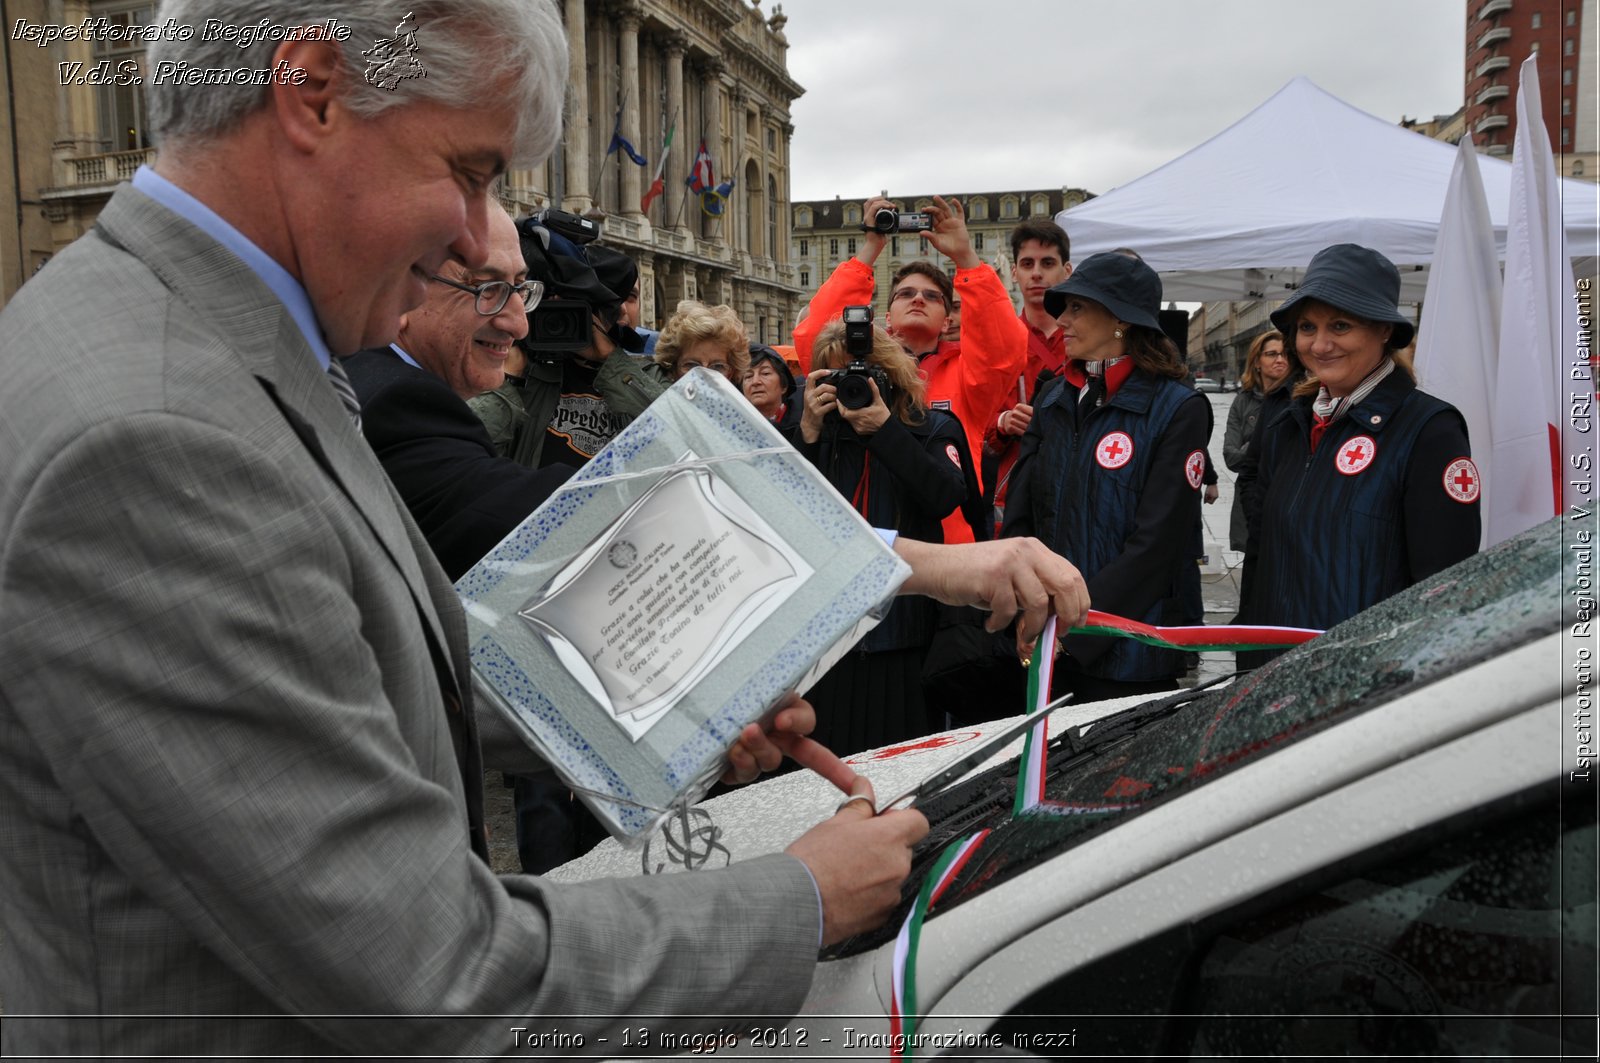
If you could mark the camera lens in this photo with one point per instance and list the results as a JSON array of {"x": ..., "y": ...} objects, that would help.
[
  {"x": 885, "y": 220},
  {"x": 855, "y": 393}
]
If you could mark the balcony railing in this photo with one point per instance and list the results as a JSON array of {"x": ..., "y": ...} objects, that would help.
[
  {"x": 1492, "y": 92},
  {"x": 1492, "y": 64},
  {"x": 1493, "y": 8},
  {"x": 1494, "y": 36},
  {"x": 617, "y": 225},
  {"x": 1491, "y": 121},
  {"x": 91, "y": 171},
  {"x": 669, "y": 240}
]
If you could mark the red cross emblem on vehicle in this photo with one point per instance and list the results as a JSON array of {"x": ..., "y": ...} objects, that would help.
[
  {"x": 1355, "y": 454},
  {"x": 1461, "y": 481},
  {"x": 1114, "y": 450}
]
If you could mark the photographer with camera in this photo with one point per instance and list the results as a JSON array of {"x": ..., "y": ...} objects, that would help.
[
  {"x": 866, "y": 426},
  {"x": 972, "y": 379},
  {"x": 576, "y": 385}
]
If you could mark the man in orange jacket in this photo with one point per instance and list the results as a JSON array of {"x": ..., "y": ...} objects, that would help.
[{"x": 975, "y": 378}]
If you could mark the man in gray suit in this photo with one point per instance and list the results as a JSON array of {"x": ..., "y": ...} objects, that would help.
[{"x": 237, "y": 755}]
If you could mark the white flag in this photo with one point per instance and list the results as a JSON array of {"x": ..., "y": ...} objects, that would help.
[
  {"x": 1538, "y": 330},
  {"x": 1458, "y": 340}
]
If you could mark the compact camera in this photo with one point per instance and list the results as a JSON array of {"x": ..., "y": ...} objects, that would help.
[
  {"x": 889, "y": 220},
  {"x": 851, "y": 382},
  {"x": 574, "y": 227}
]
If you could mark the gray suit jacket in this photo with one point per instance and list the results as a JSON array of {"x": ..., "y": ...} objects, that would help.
[{"x": 228, "y": 673}]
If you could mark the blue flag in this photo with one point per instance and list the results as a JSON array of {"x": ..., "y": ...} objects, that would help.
[{"x": 620, "y": 141}]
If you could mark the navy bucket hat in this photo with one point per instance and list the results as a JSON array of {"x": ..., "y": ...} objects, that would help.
[
  {"x": 1356, "y": 280},
  {"x": 1123, "y": 285}
]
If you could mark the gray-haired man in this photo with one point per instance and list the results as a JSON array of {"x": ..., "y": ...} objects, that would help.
[{"x": 237, "y": 757}]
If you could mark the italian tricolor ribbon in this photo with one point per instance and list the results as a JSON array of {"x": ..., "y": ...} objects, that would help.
[{"x": 1198, "y": 638}]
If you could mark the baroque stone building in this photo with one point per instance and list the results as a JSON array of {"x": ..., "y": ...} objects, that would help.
[
  {"x": 828, "y": 231},
  {"x": 713, "y": 69}
]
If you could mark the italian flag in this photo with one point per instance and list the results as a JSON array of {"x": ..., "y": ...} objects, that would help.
[{"x": 658, "y": 186}]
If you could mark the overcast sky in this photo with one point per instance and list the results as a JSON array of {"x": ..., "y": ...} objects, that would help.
[{"x": 940, "y": 95}]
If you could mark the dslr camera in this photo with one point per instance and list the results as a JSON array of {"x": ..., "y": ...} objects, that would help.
[
  {"x": 889, "y": 220},
  {"x": 851, "y": 382}
]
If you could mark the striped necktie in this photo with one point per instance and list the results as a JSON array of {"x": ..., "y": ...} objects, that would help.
[{"x": 341, "y": 387}]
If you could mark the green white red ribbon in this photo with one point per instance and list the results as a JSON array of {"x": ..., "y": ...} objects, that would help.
[
  {"x": 1030, "y": 781},
  {"x": 1030, "y": 791},
  {"x": 903, "y": 996},
  {"x": 1199, "y": 638}
]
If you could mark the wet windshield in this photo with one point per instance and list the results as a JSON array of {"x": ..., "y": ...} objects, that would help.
[{"x": 1474, "y": 611}]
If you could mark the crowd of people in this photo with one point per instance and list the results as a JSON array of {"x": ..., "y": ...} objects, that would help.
[{"x": 238, "y": 739}]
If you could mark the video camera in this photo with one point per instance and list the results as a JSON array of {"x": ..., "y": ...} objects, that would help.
[
  {"x": 888, "y": 220},
  {"x": 851, "y": 382},
  {"x": 559, "y": 325},
  {"x": 574, "y": 227}
]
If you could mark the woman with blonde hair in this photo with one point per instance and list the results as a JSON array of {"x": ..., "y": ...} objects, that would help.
[
  {"x": 701, "y": 336},
  {"x": 905, "y": 467},
  {"x": 1267, "y": 367}
]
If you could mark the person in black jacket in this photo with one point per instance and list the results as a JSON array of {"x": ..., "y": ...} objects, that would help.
[
  {"x": 463, "y": 495},
  {"x": 902, "y": 466},
  {"x": 1367, "y": 485},
  {"x": 1110, "y": 473}
]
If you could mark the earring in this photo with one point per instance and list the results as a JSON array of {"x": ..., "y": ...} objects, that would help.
[{"x": 1116, "y": 333}]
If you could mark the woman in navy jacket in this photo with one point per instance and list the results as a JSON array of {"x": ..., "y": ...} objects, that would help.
[
  {"x": 1110, "y": 470},
  {"x": 1367, "y": 484}
]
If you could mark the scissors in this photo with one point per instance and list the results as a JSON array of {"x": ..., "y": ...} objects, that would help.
[{"x": 945, "y": 776}]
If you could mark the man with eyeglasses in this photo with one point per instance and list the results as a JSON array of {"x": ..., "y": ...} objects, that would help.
[
  {"x": 577, "y": 383},
  {"x": 464, "y": 496},
  {"x": 974, "y": 377}
]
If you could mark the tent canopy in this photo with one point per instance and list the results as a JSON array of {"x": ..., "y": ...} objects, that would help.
[{"x": 1235, "y": 219}]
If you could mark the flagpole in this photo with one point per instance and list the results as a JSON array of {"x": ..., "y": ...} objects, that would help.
[
  {"x": 661, "y": 163},
  {"x": 683, "y": 203},
  {"x": 610, "y": 150}
]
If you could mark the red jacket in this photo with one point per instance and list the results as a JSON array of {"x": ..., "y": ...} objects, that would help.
[
  {"x": 974, "y": 379},
  {"x": 1044, "y": 352}
]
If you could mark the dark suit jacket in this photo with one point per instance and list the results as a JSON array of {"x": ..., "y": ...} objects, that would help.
[
  {"x": 463, "y": 495},
  {"x": 231, "y": 679}
]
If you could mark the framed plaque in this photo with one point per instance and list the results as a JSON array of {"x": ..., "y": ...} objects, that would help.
[{"x": 673, "y": 591}]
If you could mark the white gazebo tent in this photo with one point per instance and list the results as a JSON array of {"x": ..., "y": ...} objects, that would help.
[{"x": 1240, "y": 216}]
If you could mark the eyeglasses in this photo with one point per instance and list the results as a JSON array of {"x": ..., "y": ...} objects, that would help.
[
  {"x": 929, "y": 295},
  {"x": 715, "y": 367},
  {"x": 492, "y": 296}
]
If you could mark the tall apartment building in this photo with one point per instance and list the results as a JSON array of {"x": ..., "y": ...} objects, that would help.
[
  {"x": 716, "y": 69},
  {"x": 1500, "y": 35},
  {"x": 828, "y": 231}
]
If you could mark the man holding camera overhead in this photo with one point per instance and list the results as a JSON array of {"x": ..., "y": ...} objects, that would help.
[{"x": 973, "y": 378}]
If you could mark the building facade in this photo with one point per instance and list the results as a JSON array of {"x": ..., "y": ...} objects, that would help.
[
  {"x": 828, "y": 231},
  {"x": 705, "y": 69},
  {"x": 1500, "y": 35}
]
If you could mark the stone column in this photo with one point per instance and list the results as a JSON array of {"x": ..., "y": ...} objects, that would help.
[
  {"x": 719, "y": 156},
  {"x": 575, "y": 147},
  {"x": 683, "y": 146},
  {"x": 741, "y": 204},
  {"x": 628, "y": 18}
]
